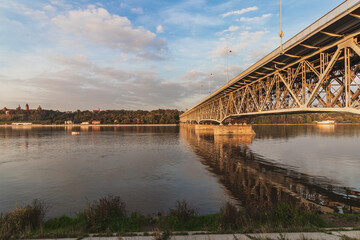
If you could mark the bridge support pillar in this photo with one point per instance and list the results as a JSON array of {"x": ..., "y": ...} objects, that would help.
[
  {"x": 233, "y": 130},
  {"x": 204, "y": 127}
]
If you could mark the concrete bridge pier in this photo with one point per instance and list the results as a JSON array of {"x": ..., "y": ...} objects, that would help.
[
  {"x": 199, "y": 127},
  {"x": 233, "y": 130},
  {"x": 226, "y": 129}
]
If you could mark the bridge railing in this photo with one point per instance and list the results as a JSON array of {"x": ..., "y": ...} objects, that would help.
[
  {"x": 343, "y": 7},
  {"x": 314, "y": 27}
]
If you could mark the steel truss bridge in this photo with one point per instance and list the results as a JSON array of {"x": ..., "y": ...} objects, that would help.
[{"x": 318, "y": 70}]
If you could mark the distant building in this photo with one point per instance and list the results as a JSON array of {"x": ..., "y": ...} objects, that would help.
[
  {"x": 68, "y": 122},
  {"x": 96, "y": 111},
  {"x": 85, "y": 123},
  {"x": 20, "y": 123},
  {"x": 96, "y": 122},
  {"x": 14, "y": 111},
  {"x": 10, "y": 111},
  {"x": 39, "y": 108}
]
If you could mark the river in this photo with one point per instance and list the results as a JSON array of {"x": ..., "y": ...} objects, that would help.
[{"x": 152, "y": 167}]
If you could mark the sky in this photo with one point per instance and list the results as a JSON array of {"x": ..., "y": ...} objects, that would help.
[{"x": 136, "y": 54}]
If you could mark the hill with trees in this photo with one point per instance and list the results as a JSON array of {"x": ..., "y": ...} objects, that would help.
[{"x": 41, "y": 116}]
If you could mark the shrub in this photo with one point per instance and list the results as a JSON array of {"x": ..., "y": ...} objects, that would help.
[
  {"x": 66, "y": 224},
  {"x": 22, "y": 219},
  {"x": 166, "y": 235},
  {"x": 104, "y": 212},
  {"x": 230, "y": 217},
  {"x": 183, "y": 211},
  {"x": 287, "y": 215}
]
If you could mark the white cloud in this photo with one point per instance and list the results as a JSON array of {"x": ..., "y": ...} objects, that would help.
[
  {"x": 220, "y": 50},
  {"x": 61, "y": 4},
  {"x": 159, "y": 29},
  {"x": 239, "y": 12},
  {"x": 215, "y": 77},
  {"x": 49, "y": 8},
  {"x": 80, "y": 83},
  {"x": 98, "y": 26},
  {"x": 255, "y": 19},
  {"x": 22, "y": 9},
  {"x": 188, "y": 19},
  {"x": 138, "y": 10},
  {"x": 229, "y": 29},
  {"x": 239, "y": 44},
  {"x": 263, "y": 49}
]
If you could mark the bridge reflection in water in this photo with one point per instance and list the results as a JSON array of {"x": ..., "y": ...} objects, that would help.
[{"x": 259, "y": 183}]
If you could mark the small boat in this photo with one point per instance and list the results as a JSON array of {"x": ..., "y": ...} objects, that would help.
[
  {"x": 328, "y": 122},
  {"x": 75, "y": 133}
]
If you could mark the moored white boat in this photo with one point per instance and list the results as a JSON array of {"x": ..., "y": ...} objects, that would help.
[{"x": 327, "y": 122}]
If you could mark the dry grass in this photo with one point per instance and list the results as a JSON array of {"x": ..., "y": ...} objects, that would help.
[
  {"x": 232, "y": 218},
  {"x": 106, "y": 210},
  {"x": 22, "y": 220},
  {"x": 183, "y": 211}
]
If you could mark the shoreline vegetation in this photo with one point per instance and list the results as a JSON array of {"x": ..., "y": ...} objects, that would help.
[
  {"x": 92, "y": 125},
  {"x": 108, "y": 217},
  {"x": 160, "y": 117},
  {"x": 162, "y": 125},
  {"x": 50, "y": 117},
  {"x": 307, "y": 118},
  {"x": 159, "y": 125}
]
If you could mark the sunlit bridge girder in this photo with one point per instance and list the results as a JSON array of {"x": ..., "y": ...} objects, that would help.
[{"x": 318, "y": 71}]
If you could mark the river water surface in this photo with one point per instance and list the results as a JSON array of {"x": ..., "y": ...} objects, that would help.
[{"x": 152, "y": 167}]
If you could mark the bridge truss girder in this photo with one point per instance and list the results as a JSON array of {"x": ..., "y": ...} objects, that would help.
[{"x": 326, "y": 81}]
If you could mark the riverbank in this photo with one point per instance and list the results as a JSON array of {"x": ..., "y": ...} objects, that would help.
[
  {"x": 91, "y": 125},
  {"x": 303, "y": 124},
  {"x": 108, "y": 217},
  {"x": 162, "y": 125},
  {"x": 346, "y": 234}
]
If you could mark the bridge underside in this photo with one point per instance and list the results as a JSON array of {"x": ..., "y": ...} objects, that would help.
[
  {"x": 278, "y": 112},
  {"x": 319, "y": 74},
  {"x": 292, "y": 111},
  {"x": 326, "y": 82}
]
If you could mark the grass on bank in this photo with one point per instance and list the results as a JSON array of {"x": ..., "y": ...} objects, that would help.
[{"x": 108, "y": 215}]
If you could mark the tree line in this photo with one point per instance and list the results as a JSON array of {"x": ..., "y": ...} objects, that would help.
[
  {"x": 41, "y": 116},
  {"x": 305, "y": 118},
  {"x": 160, "y": 116}
]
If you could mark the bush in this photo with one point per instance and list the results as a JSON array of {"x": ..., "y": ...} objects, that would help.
[
  {"x": 65, "y": 224},
  {"x": 102, "y": 213},
  {"x": 166, "y": 235},
  {"x": 183, "y": 211},
  {"x": 286, "y": 215},
  {"x": 230, "y": 217},
  {"x": 22, "y": 219}
]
